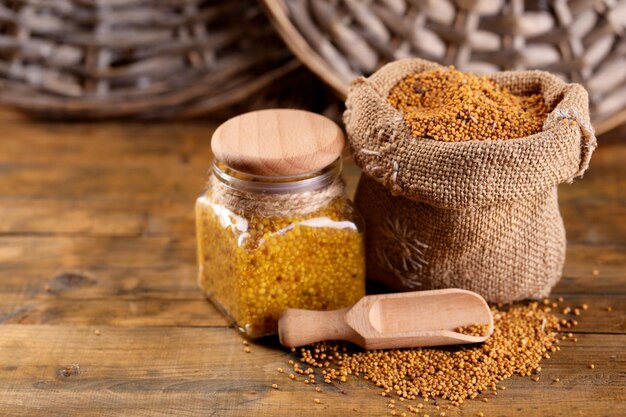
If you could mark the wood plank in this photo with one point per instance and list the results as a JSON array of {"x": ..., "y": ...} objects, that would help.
[
  {"x": 596, "y": 319},
  {"x": 99, "y": 144},
  {"x": 156, "y": 184},
  {"x": 590, "y": 285},
  {"x": 95, "y": 218},
  {"x": 179, "y": 156},
  {"x": 595, "y": 222},
  {"x": 169, "y": 297},
  {"x": 604, "y": 181},
  {"x": 106, "y": 282},
  {"x": 123, "y": 281},
  {"x": 165, "y": 183},
  {"x": 56, "y": 252},
  {"x": 44, "y": 309},
  {"x": 582, "y": 260},
  {"x": 13, "y": 116},
  {"x": 115, "y": 312},
  {"x": 26, "y": 217},
  {"x": 204, "y": 371},
  {"x": 133, "y": 218},
  {"x": 179, "y": 282},
  {"x": 608, "y": 189}
]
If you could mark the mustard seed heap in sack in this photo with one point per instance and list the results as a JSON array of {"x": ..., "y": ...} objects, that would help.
[{"x": 461, "y": 173}]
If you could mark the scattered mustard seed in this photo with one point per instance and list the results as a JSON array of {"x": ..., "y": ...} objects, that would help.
[
  {"x": 246, "y": 349},
  {"x": 317, "y": 401},
  {"x": 97, "y": 332},
  {"x": 463, "y": 372},
  {"x": 275, "y": 386},
  {"x": 591, "y": 366}
]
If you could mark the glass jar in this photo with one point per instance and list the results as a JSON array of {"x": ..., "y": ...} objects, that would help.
[{"x": 271, "y": 242}]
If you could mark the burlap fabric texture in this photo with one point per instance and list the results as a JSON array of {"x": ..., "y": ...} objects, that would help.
[{"x": 479, "y": 215}]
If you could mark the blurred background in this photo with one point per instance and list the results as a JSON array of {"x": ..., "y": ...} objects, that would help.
[{"x": 149, "y": 59}]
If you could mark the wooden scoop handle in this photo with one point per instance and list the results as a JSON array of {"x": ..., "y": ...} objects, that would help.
[{"x": 302, "y": 327}]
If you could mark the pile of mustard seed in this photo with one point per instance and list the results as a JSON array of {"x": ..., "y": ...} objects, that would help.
[
  {"x": 449, "y": 105},
  {"x": 479, "y": 330},
  {"x": 523, "y": 335}
]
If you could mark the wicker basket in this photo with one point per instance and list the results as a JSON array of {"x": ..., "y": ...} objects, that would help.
[
  {"x": 582, "y": 41},
  {"x": 147, "y": 58}
]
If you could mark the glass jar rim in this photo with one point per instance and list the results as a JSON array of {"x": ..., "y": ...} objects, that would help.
[{"x": 264, "y": 184}]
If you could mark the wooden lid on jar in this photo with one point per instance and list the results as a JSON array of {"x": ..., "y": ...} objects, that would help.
[{"x": 278, "y": 142}]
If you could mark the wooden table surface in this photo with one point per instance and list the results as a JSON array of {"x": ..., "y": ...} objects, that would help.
[{"x": 100, "y": 314}]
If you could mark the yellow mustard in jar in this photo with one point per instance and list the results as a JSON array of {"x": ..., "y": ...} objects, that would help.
[{"x": 275, "y": 229}]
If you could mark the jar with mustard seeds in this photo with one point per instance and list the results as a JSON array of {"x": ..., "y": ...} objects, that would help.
[{"x": 275, "y": 229}]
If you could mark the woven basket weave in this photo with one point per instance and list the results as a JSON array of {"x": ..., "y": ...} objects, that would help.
[
  {"x": 147, "y": 58},
  {"x": 581, "y": 41}
]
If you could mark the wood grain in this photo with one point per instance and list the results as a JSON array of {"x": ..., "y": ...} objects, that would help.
[
  {"x": 204, "y": 371},
  {"x": 278, "y": 142},
  {"x": 96, "y": 233}
]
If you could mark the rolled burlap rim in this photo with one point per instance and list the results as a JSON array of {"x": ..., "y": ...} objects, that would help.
[
  {"x": 250, "y": 204},
  {"x": 459, "y": 175}
]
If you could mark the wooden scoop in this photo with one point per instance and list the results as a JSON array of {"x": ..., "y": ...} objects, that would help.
[{"x": 410, "y": 319}]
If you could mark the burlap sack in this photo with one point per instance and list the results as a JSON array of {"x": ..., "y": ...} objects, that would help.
[{"x": 479, "y": 215}]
